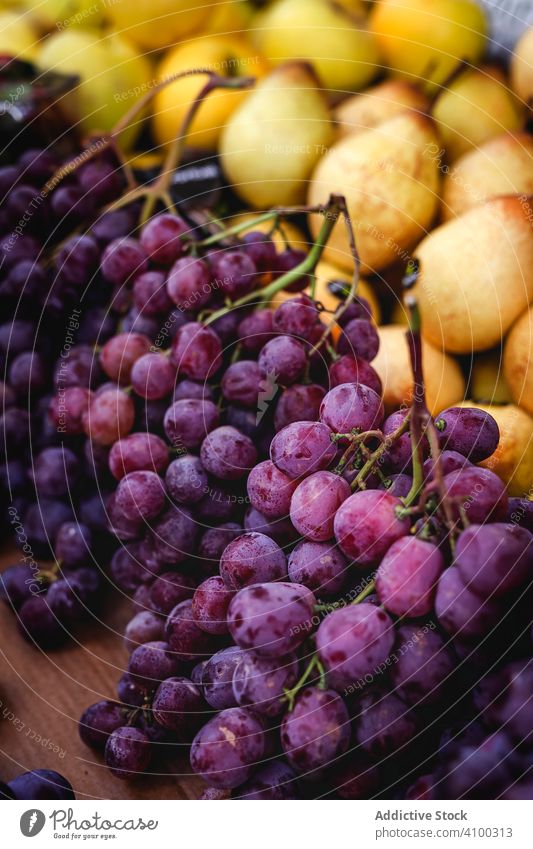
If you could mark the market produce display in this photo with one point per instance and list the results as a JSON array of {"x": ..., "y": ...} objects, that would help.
[{"x": 266, "y": 348}]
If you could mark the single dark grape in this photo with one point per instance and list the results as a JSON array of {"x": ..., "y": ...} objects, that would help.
[
  {"x": 226, "y": 750},
  {"x": 316, "y": 732},
  {"x": 366, "y": 525},
  {"x": 471, "y": 432},
  {"x": 260, "y": 682},
  {"x": 128, "y": 752},
  {"x": 252, "y": 559},
  {"x": 320, "y": 566},
  {"x": 98, "y": 721}
]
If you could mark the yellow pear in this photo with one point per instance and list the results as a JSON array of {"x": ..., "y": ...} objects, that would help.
[
  {"x": 226, "y": 55},
  {"x": 518, "y": 361},
  {"x": 427, "y": 38},
  {"x": 477, "y": 106},
  {"x": 342, "y": 51},
  {"x": 229, "y": 16},
  {"x": 377, "y": 104},
  {"x": 272, "y": 141},
  {"x": 59, "y": 15},
  {"x": 113, "y": 75},
  {"x": 157, "y": 23},
  {"x": 391, "y": 186},
  {"x": 476, "y": 275},
  {"x": 487, "y": 382},
  {"x": 18, "y": 36},
  {"x": 445, "y": 385},
  {"x": 522, "y": 67},
  {"x": 501, "y": 166},
  {"x": 513, "y": 459}
]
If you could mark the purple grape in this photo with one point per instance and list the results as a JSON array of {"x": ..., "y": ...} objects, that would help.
[
  {"x": 520, "y": 512},
  {"x": 145, "y": 627},
  {"x": 28, "y": 374},
  {"x": 188, "y": 421},
  {"x": 315, "y": 503},
  {"x": 138, "y": 452},
  {"x": 351, "y": 406},
  {"x": 101, "y": 179},
  {"x": 478, "y": 492},
  {"x": 235, "y": 273},
  {"x": 282, "y": 360},
  {"x": 120, "y": 353},
  {"x": 141, "y": 496},
  {"x": 41, "y": 784},
  {"x": 460, "y": 611},
  {"x": 190, "y": 389},
  {"x": 270, "y": 490},
  {"x": 187, "y": 641},
  {"x": 359, "y": 338},
  {"x": 366, "y": 525},
  {"x": 227, "y": 454},
  {"x": 215, "y": 540},
  {"x": 98, "y": 721},
  {"x": 319, "y": 566},
  {"x": 280, "y": 530},
  {"x": 78, "y": 259},
  {"x": 242, "y": 383},
  {"x": 18, "y": 582},
  {"x": 26, "y": 280},
  {"x": 130, "y": 693},
  {"x": 261, "y": 249},
  {"x": 127, "y": 570},
  {"x": 217, "y": 678},
  {"x": 196, "y": 351},
  {"x": 169, "y": 589},
  {"x": 252, "y": 559},
  {"x": 296, "y": 317},
  {"x": 110, "y": 416},
  {"x": 302, "y": 448},
  {"x": 152, "y": 662},
  {"x": 350, "y": 369},
  {"x": 67, "y": 410},
  {"x": 511, "y": 705},
  {"x": 210, "y": 604},
  {"x": 385, "y": 724},
  {"x": 255, "y": 330},
  {"x": 55, "y": 471},
  {"x": 73, "y": 544},
  {"x": 67, "y": 600},
  {"x": 298, "y": 403},
  {"x": 43, "y": 520},
  {"x": 186, "y": 479},
  {"x": 162, "y": 238},
  {"x": 150, "y": 294},
  {"x": 494, "y": 558},
  {"x": 177, "y": 706},
  {"x": 423, "y": 665},
  {"x": 122, "y": 260},
  {"x": 128, "y": 752},
  {"x": 271, "y": 619},
  {"x": 353, "y": 642},
  {"x": 275, "y": 781},
  {"x": 471, "y": 432},
  {"x": 407, "y": 577},
  {"x": 126, "y": 530},
  {"x": 112, "y": 226},
  {"x": 38, "y": 624},
  {"x": 316, "y": 732},
  {"x": 174, "y": 535},
  {"x": 226, "y": 750},
  {"x": 479, "y": 771},
  {"x": 217, "y": 505},
  {"x": 189, "y": 283},
  {"x": 260, "y": 682},
  {"x": 398, "y": 485},
  {"x": 81, "y": 368},
  {"x": 153, "y": 376}
]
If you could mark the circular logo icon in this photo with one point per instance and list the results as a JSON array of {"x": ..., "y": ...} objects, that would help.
[{"x": 32, "y": 822}]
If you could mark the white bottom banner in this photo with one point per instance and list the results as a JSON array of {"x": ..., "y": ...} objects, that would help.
[{"x": 232, "y": 825}]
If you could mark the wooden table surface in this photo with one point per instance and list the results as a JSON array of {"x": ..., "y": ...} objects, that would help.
[{"x": 43, "y": 695}]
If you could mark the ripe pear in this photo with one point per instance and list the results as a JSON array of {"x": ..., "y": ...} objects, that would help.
[
  {"x": 477, "y": 106},
  {"x": 18, "y": 35},
  {"x": 339, "y": 46},
  {"x": 476, "y": 275},
  {"x": 376, "y": 105},
  {"x": 522, "y": 67},
  {"x": 501, "y": 166},
  {"x": 445, "y": 385},
  {"x": 272, "y": 141},
  {"x": 391, "y": 186},
  {"x": 487, "y": 382},
  {"x": 427, "y": 38},
  {"x": 518, "y": 361},
  {"x": 513, "y": 459},
  {"x": 157, "y": 23},
  {"x": 112, "y": 76}
]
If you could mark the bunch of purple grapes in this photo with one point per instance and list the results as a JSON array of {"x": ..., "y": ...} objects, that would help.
[
  {"x": 313, "y": 587},
  {"x": 37, "y": 784}
]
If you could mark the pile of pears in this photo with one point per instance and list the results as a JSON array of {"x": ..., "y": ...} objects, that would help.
[{"x": 436, "y": 163}]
